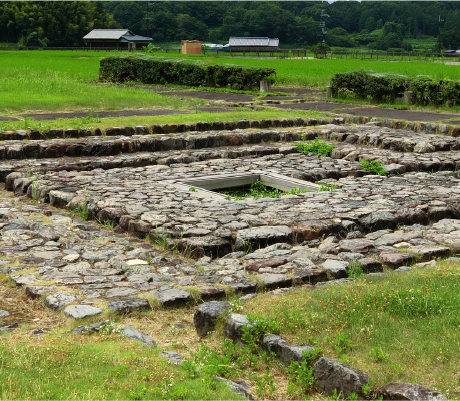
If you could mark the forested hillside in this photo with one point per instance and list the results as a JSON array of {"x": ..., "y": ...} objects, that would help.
[
  {"x": 376, "y": 25},
  {"x": 51, "y": 23}
]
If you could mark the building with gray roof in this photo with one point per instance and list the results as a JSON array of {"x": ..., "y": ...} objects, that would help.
[
  {"x": 256, "y": 44},
  {"x": 122, "y": 39}
]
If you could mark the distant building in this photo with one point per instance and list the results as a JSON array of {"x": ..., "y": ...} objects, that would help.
[
  {"x": 256, "y": 44},
  {"x": 191, "y": 47},
  {"x": 116, "y": 39}
]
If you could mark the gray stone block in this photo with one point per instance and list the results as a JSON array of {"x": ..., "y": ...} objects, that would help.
[
  {"x": 206, "y": 315},
  {"x": 81, "y": 311},
  {"x": 331, "y": 375},
  {"x": 284, "y": 351},
  {"x": 129, "y": 305},
  {"x": 411, "y": 392}
]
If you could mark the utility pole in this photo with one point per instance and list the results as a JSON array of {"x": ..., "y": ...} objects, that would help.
[
  {"x": 147, "y": 16},
  {"x": 322, "y": 26}
]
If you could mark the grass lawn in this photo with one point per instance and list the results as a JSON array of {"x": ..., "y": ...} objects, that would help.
[
  {"x": 402, "y": 328},
  {"x": 91, "y": 122},
  {"x": 62, "y": 80},
  {"x": 102, "y": 366}
]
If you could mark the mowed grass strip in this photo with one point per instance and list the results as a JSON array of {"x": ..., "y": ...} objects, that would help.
[
  {"x": 61, "y": 366},
  {"x": 402, "y": 328},
  {"x": 92, "y": 121}
]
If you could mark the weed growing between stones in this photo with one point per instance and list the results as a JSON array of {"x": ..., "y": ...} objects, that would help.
[
  {"x": 355, "y": 270},
  {"x": 164, "y": 242},
  {"x": 315, "y": 146},
  {"x": 248, "y": 247},
  {"x": 257, "y": 190},
  {"x": 257, "y": 327},
  {"x": 107, "y": 224},
  {"x": 373, "y": 166},
  {"x": 82, "y": 211},
  {"x": 327, "y": 187},
  {"x": 301, "y": 379}
]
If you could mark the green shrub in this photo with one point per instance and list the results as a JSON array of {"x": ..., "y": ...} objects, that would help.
[
  {"x": 367, "y": 84},
  {"x": 315, "y": 146},
  {"x": 379, "y": 87},
  {"x": 157, "y": 70},
  {"x": 374, "y": 166}
]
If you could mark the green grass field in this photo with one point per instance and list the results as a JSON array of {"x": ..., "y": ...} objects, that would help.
[{"x": 65, "y": 80}]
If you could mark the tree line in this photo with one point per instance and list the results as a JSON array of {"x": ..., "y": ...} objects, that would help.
[
  {"x": 51, "y": 23},
  {"x": 376, "y": 24},
  {"x": 379, "y": 25}
]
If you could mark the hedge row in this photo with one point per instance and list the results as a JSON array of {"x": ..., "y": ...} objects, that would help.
[
  {"x": 157, "y": 70},
  {"x": 388, "y": 87}
]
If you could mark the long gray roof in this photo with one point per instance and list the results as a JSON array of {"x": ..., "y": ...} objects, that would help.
[
  {"x": 115, "y": 34},
  {"x": 255, "y": 41},
  {"x": 136, "y": 38}
]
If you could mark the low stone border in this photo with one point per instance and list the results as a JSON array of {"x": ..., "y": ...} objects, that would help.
[
  {"x": 331, "y": 377},
  {"x": 203, "y": 126}
]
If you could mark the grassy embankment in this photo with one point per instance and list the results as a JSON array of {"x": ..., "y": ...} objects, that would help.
[{"x": 401, "y": 328}]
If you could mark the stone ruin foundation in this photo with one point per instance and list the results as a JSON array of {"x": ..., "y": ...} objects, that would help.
[{"x": 202, "y": 244}]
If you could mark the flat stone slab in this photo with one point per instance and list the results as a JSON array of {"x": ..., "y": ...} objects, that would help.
[
  {"x": 24, "y": 279},
  {"x": 8, "y": 326},
  {"x": 60, "y": 299},
  {"x": 134, "y": 334},
  {"x": 81, "y": 311},
  {"x": 396, "y": 259},
  {"x": 407, "y": 391},
  {"x": 172, "y": 296},
  {"x": 206, "y": 315},
  {"x": 266, "y": 235},
  {"x": 129, "y": 305},
  {"x": 283, "y": 350},
  {"x": 337, "y": 268},
  {"x": 332, "y": 376}
]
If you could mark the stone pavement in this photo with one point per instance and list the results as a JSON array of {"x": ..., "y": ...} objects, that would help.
[{"x": 173, "y": 241}]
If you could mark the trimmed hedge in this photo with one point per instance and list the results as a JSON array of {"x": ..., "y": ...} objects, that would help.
[
  {"x": 388, "y": 87},
  {"x": 377, "y": 86},
  {"x": 157, "y": 70}
]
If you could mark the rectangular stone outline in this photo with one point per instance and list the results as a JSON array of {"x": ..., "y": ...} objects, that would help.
[{"x": 205, "y": 185}]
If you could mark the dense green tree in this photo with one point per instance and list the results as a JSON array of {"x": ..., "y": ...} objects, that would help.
[
  {"x": 295, "y": 23},
  {"x": 51, "y": 22}
]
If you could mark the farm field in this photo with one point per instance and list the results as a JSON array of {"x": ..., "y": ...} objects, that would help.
[{"x": 64, "y": 80}]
